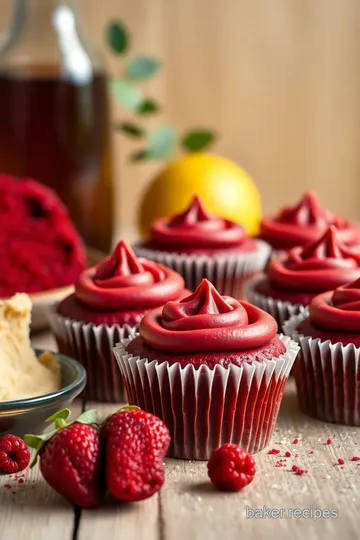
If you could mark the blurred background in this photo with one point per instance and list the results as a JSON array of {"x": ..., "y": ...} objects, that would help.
[{"x": 278, "y": 80}]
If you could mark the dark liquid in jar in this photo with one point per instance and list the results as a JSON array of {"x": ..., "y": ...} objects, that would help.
[{"x": 57, "y": 132}]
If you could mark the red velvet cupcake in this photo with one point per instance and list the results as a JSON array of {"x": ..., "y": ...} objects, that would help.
[
  {"x": 108, "y": 304},
  {"x": 198, "y": 244},
  {"x": 298, "y": 225},
  {"x": 212, "y": 368},
  {"x": 294, "y": 278},
  {"x": 327, "y": 370}
]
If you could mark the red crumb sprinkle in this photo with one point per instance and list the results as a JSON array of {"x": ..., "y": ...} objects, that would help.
[
  {"x": 287, "y": 454},
  {"x": 329, "y": 441},
  {"x": 341, "y": 461},
  {"x": 21, "y": 481},
  {"x": 274, "y": 451},
  {"x": 355, "y": 458},
  {"x": 7, "y": 486},
  {"x": 311, "y": 452},
  {"x": 280, "y": 463},
  {"x": 296, "y": 441},
  {"x": 299, "y": 470}
]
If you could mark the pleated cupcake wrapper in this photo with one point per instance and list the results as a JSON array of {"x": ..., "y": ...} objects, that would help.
[
  {"x": 327, "y": 377},
  {"x": 227, "y": 273},
  {"x": 281, "y": 310},
  {"x": 205, "y": 408},
  {"x": 92, "y": 345}
]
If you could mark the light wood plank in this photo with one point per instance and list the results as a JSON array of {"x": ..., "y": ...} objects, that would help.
[
  {"x": 193, "y": 509},
  {"x": 138, "y": 521},
  {"x": 32, "y": 509}
]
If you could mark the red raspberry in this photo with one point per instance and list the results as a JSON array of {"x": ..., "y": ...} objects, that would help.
[
  {"x": 231, "y": 468},
  {"x": 14, "y": 454}
]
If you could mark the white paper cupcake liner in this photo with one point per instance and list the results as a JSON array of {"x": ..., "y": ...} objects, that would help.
[
  {"x": 92, "y": 345},
  {"x": 205, "y": 408},
  {"x": 327, "y": 377},
  {"x": 226, "y": 272},
  {"x": 281, "y": 310}
]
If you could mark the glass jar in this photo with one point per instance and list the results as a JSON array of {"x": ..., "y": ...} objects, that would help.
[{"x": 54, "y": 113}]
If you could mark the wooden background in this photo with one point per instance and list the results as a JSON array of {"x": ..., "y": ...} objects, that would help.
[{"x": 278, "y": 79}]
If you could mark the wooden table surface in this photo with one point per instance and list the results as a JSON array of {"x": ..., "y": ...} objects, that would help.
[{"x": 188, "y": 507}]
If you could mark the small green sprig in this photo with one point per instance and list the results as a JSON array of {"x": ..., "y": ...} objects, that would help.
[{"x": 162, "y": 142}]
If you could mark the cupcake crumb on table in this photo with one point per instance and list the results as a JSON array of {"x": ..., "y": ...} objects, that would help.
[
  {"x": 293, "y": 279},
  {"x": 108, "y": 304},
  {"x": 327, "y": 370},
  {"x": 300, "y": 224},
  {"x": 198, "y": 245},
  {"x": 224, "y": 356}
]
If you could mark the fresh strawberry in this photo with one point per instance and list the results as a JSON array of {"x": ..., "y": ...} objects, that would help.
[
  {"x": 70, "y": 458},
  {"x": 14, "y": 454},
  {"x": 136, "y": 443}
]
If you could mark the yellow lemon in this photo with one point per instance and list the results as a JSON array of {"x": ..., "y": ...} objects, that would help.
[{"x": 225, "y": 188}]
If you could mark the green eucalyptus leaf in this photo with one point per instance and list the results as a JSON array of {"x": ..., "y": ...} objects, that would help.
[
  {"x": 142, "y": 67},
  {"x": 117, "y": 37},
  {"x": 126, "y": 93},
  {"x": 63, "y": 414},
  {"x": 139, "y": 155},
  {"x": 88, "y": 417},
  {"x": 197, "y": 140},
  {"x": 162, "y": 142},
  {"x": 131, "y": 129},
  {"x": 148, "y": 106}
]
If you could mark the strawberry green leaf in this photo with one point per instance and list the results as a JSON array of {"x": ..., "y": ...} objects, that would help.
[
  {"x": 88, "y": 417},
  {"x": 142, "y": 67},
  {"x": 117, "y": 37},
  {"x": 148, "y": 106},
  {"x": 131, "y": 129},
  {"x": 197, "y": 140},
  {"x": 37, "y": 442},
  {"x": 126, "y": 93},
  {"x": 63, "y": 414}
]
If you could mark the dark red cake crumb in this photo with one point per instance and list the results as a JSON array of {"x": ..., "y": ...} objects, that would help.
[
  {"x": 355, "y": 458},
  {"x": 274, "y": 451},
  {"x": 329, "y": 441},
  {"x": 287, "y": 454},
  {"x": 39, "y": 246},
  {"x": 311, "y": 452},
  {"x": 280, "y": 463},
  {"x": 295, "y": 441},
  {"x": 341, "y": 461},
  {"x": 299, "y": 470}
]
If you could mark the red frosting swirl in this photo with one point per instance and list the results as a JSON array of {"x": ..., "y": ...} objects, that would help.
[
  {"x": 124, "y": 281},
  {"x": 197, "y": 228},
  {"x": 300, "y": 224},
  {"x": 206, "y": 321},
  {"x": 338, "y": 310},
  {"x": 319, "y": 266}
]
